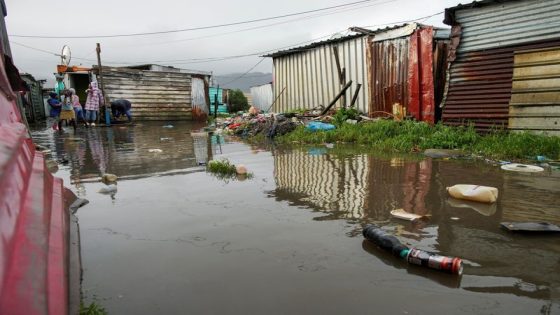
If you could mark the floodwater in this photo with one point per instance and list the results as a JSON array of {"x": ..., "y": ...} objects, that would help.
[{"x": 177, "y": 240}]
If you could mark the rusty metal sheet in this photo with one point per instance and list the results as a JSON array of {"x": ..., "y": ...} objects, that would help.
[
  {"x": 389, "y": 74},
  {"x": 480, "y": 86}
]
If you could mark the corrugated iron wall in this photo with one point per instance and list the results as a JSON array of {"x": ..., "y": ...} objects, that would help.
[
  {"x": 388, "y": 81},
  {"x": 480, "y": 78},
  {"x": 535, "y": 100},
  {"x": 154, "y": 95},
  {"x": 508, "y": 23},
  {"x": 262, "y": 96},
  {"x": 480, "y": 86},
  {"x": 311, "y": 76},
  {"x": 199, "y": 101}
]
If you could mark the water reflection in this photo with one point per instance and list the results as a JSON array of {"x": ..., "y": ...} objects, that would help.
[
  {"x": 364, "y": 188},
  {"x": 135, "y": 151}
]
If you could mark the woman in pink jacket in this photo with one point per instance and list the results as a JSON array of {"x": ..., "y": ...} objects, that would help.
[{"x": 93, "y": 102}]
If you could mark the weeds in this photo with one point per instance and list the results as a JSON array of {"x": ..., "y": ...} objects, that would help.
[
  {"x": 92, "y": 309},
  {"x": 226, "y": 171},
  {"x": 222, "y": 168},
  {"x": 408, "y": 136}
]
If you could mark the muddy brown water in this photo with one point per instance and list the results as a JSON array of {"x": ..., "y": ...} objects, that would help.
[{"x": 177, "y": 240}]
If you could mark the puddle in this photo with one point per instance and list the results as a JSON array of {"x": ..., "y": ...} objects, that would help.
[{"x": 174, "y": 239}]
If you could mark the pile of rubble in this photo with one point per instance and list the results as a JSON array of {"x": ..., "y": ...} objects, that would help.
[{"x": 269, "y": 125}]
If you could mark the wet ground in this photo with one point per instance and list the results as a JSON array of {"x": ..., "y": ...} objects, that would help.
[{"x": 176, "y": 240}]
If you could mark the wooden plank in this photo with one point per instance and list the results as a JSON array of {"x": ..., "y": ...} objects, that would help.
[
  {"x": 546, "y": 97},
  {"x": 135, "y": 100},
  {"x": 149, "y": 83},
  {"x": 148, "y": 93},
  {"x": 139, "y": 87},
  {"x": 167, "y": 109}
]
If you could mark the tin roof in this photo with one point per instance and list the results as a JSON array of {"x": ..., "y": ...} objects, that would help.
[
  {"x": 449, "y": 17},
  {"x": 330, "y": 41}
]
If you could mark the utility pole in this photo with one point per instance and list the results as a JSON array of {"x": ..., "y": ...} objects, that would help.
[
  {"x": 100, "y": 79},
  {"x": 216, "y": 102}
]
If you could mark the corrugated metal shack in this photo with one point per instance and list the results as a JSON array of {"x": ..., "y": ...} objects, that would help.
[
  {"x": 262, "y": 96},
  {"x": 403, "y": 64},
  {"x": 159, "y": 92},
  {"x": 33, "y": 104},
  {"x": 504, "y": 65}
]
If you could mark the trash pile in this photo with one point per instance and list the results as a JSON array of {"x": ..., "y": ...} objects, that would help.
[
  {"x": 270, "y": 125},
  {"x": 247, "y": 125}
]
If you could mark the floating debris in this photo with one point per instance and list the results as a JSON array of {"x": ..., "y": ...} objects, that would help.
[
  {"x": 530, "y": 227},
  {"x": 109, "y": 178},
  {"x": 515, "y": 167},
  {"x": 476, "y": 193},
  {"x": 403, "y": 215},
  {"x": 109, "y": 189},
  {"x": 155, "y": 150}
]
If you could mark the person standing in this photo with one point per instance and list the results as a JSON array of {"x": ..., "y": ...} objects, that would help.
[
  {"x": 78, "y": 110},
  {"x": 54, "y": 112},
  {"x": 93, "y": 102},
  {"x": 67, "y": 112}
]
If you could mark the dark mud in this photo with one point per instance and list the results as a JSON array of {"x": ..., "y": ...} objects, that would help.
[{"x": 176, "y": 240}]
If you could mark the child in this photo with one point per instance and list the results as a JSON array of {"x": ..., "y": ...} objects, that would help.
[
  {"x": 67, "y": 112},
  {"x": 54, "y": 113},
  {"x": 77, "y": 107}
]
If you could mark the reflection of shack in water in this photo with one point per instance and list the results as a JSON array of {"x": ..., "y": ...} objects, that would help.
[
  {"x": 351, "y": 187},
  {"x": 125, "y": 151}
]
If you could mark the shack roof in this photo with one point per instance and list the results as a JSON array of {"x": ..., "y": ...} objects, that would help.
[
  {"x": 378, "y": 32},
  {"x": 449, "y": 17},
  {"x": 162, "y": 68}
]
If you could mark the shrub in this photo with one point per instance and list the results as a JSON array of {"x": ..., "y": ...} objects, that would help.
[{"x": 237, "y": 101}]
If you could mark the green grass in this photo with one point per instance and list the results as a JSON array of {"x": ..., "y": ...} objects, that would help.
[
  {"x": 92, "y": 309},
  {"x": 222, "y": 168},
  {"x": 409, "y": 136}
]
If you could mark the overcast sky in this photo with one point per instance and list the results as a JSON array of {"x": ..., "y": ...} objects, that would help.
[{"x": 107, "y": 17}]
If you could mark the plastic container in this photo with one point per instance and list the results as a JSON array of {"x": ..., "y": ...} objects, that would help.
[{"x": 476, "y": 193}]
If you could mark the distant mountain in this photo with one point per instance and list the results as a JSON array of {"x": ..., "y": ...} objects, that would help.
[{"x": 245, "y": 83}]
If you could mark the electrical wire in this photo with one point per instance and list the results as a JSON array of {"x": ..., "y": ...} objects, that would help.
[
  {"x": 224, "y": 58},
  {"x": 241, "y": 76},
  {"x": 257, "y": 27},
  {"x": 197, "y": 28}
]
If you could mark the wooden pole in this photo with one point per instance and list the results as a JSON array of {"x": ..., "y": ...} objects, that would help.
[
  {"x": 102, "y": 87},
  {"x": 277, "y": 97},
  {"x": 341, "y": 73},
  {"x": 355, "y": 97},
  {"x": 339, "y": 95},
  {"x": 216, "y": 101}
]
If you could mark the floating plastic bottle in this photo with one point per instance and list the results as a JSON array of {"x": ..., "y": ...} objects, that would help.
[
  {"x": 413, "y": 256},
  {"x": 418, "y": 257},
  {"x": 474, "y": 193}
]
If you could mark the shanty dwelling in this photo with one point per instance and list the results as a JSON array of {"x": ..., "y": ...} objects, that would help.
[
  {"x": 403, "y": 64},
  {"x": 33, "y": 103},
  {"x": 159, "y": 92},
  {"x": 504, "y": 65},
  {"x": 262, "y": 96}
]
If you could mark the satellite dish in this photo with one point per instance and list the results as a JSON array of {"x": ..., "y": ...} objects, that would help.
[{"x": 66, "y": 55}]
